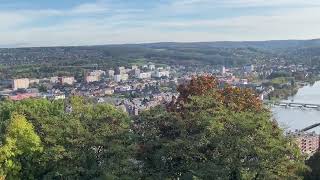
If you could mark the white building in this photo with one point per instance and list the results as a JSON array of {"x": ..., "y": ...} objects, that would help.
[
  {"x": 111, "y": 73},
  {"x": 152, "y": 67},
  {"x": 67, "y": 80},
  {"x": 108, "y": 91},
  {"x": 118, "y": 78},
  {"x": 92, "y": 78},
  {"x": 124, "y": 77},
  {"x": 121, "y": 77},
  {"x": 244, "y": 81},
  {"x": 20, "y": 83},
  {"x": 134, "y": 67},
  {"x": 55, "y": 96},
  {"x": 128, "y": 70},
  {"x": 249, "y": 68},
  {"x": 159, "y": 74},
  {"x": 122, "y": 70},
  {"x": 144, "y": 75},
  {"x": 137, "y": 72},
  {"x": 223, "y": 70},
  {"x": 34, "y": 81},
  {"x": 125, "y": 88},
  {"x": 98, "y": 73},
  {"x": 54, "y": 79}
]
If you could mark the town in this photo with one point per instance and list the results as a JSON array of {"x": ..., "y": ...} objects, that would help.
[
  {"x": 137, "y": 88},
  {"x": 134, "y": 89}
]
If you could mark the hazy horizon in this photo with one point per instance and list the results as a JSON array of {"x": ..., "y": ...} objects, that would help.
[{"x": 156, "y": 42}]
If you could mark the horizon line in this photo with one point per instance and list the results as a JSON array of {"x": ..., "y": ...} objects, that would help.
[{"x": 158, "y": 42}]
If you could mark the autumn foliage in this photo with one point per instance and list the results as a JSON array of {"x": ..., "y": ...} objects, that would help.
[
  {"x": 240, "y": 99},
  {"x": 237, "y": 99},
  {"x": 197, "y": 86}
]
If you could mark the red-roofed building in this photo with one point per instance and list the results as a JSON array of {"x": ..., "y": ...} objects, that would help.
[{"x": 23, "y": 96}]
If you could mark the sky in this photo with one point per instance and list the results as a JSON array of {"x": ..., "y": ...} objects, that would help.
[{"x": 97, "y": 22}]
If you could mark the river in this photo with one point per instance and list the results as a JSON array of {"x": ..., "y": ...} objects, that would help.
[{"x": 296, "y": 118}]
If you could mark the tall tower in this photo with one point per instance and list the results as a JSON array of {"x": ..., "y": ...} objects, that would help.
[{"x": 223, "y": 70}]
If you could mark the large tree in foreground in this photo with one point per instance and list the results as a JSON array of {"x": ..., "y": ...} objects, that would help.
[
  {"x": 91, "y": 141},
  {"x": 212, "y": 133},
  {"x": 18, "y": 148}
]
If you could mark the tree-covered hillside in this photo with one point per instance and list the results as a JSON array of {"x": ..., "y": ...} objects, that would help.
[{"x": 50, "y": 61}]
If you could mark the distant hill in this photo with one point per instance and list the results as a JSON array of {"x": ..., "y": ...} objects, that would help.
[
  {"x": 201, "y": 53},
  {"x": 275, "y": 44}
]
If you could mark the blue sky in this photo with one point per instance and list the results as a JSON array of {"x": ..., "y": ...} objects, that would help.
[{"x": 84, "y": 22}]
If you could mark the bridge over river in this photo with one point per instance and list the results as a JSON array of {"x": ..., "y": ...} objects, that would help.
[
  {"x": 300, "y": 111},
  {"x": 294, "y": 105},
  {"x": 298, "y": 105}
]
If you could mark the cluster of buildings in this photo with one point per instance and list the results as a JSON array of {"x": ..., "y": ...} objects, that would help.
[
  {"x": 145, "y": 72},
  {"x": 247, "y": 69},
  {"x": 136, "y": 87},
  {"x": 94, "y": 76},
  {"x": 25, "y": 83},
  {"x": 132, "y": 85},
  {"x": 138, "y": 80},
  {"x": 25, "y": 88},
  {"x": 308, "y": 142},
  {"x": 137, "y": 105}
]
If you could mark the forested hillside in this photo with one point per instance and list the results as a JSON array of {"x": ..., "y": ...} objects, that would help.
[{"x": 50, "y": 61}]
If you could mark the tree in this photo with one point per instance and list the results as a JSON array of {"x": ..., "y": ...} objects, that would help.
[
  {"x": 237, "y": 99},
  {"x": 215, "y": 134},
  {"x": 313, "y": 163},
  {"x": 20, "y": 144},
  {"x": 92, "y": 141},
  {"x": 197, "y": 86}
]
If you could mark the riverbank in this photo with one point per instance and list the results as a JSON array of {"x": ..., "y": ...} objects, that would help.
[
  {"x": 286, "y": 92},
  {"x": 286, "y": 86},
  {"x": 291, "y": 119}
]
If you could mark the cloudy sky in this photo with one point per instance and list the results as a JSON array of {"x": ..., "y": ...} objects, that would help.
[{"x": 90, "y": 22}]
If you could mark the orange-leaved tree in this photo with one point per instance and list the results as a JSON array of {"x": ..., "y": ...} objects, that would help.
[{"x": 235, "y": 98}]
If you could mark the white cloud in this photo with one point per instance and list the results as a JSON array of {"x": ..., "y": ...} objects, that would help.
[
  {"x": 306, "y": 16},
  {"x": 273, "y": 3},
  {"x": 245, "y": 3},
  {"x": 9, "y": 20},
  {"x": 89, "y": 8},
  {"x": 13, "y": 19},
  {"x": 16, "y": 17},
  {"x": 125, "y": 25},
  {"x": 294, "y": 24}
]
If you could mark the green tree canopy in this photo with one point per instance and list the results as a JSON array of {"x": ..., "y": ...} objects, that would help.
[
  {"x": 313, "y": 162},
  {"x": 19, "y": 145},
  {"x": 91, "y": 141},
  {"x": 208, "y": 137},
  {"x": 206, "y": 133}
]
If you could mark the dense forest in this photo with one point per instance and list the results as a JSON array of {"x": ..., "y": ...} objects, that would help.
[{"x": 205, "y": 133}]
